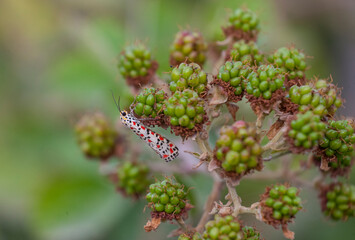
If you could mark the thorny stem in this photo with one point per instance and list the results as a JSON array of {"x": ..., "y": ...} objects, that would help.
[
  {"x": 214, "y": 195},
  {"x": 277, "y": 155}
]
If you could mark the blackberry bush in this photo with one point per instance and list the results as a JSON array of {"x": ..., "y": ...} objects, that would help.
[
  {"x": 238, "y": 150},
  {"x": 167, "y": 199},
  {"x": 96, "y": 136},
  {"x": 136, "y": 65},
  {"x": 223, "y": 228},
  {"x": 338, "y": 201},
  {"x": 188, "y": 76},
  {"x": 132, "y": 178},
  {"x": 304, "y": 129},
  {"x": 188, "y": 46}
]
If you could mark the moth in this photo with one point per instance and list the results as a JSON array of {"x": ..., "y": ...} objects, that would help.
[{"x": 161, "y": 145}]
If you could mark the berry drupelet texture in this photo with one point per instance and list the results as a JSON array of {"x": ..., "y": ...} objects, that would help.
[{"x": 96, "y": 136}]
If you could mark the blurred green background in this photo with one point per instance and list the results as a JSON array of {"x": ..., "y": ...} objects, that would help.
[{"x": 58, "y": 60}]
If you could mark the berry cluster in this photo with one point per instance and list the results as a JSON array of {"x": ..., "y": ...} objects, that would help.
[
  {"x": 167, "y": 197},
  {"x": 243, "y": 24},
  {"x": 149, "y": 103},
  {"x": 304, "y": 132},
  {"x": 338, "y": 201},
  {"x": 185, "y": 109},
  {"x": 289, "y": 60},
  {"x": 279, "y": 204},
  {"x": 95, "y": 135},
  {"x": 337, "y": 144},
  {"x": 132, "y": 178},
  {"x": 136, "y": 65},
  {"x": 265, "y": 81},
  {"x": 231, "y": 76},
  {"x": 322, "y": 99},
  {"x": 250, "y": 233},
  {"x": 246, "y": 52},
  {"x": 188, "y": 46},
  {"x": 328, "y": 91},
  {"x": 188, "y": 76},
  {"x": 223, "y": 228},
  {"x": 238, "y": 149}
]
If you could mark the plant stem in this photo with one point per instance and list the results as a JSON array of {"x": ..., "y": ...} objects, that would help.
[
  {"x": 214, "y": 195},
  {"x": 182, "y": 224},
  {"x": 234, "y": 197}
]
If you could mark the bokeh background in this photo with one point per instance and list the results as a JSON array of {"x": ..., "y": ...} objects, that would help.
[{"x": 58, "y": 60}]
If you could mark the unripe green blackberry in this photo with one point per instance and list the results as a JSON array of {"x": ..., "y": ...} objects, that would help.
[
  {"x": 186, "y": 112},
  {"x": 149, "y": 103},
  {"x": 304, "y": 131},
  {"x": 192, "y": 236},
  {"x": 231, "y": 77},
  {"x": 238, "y": 149},
  {"x": 279, "y": 204},
  {"x": 290, "y": 60},
  {"x": 330, "y": 93},
  {"x": 167, "y": 199},
  {"x": 337, "y": 145},
  {"x": 136, "y": 65},
  {"x": 132, "y": 178},
  {"x": 320, "y": 97},
  {"x": 188, "y": 76},
  {"x": 188, "y": 46},
  {"x": 246, "y": 52},
  {"x": 250, "y": 233},
  {"x": 338, "y": 201},
  {"x": 96, "y": 136},
  {"x": 223, "y": 228},
  {"x": 243, "y": 24},
  {"x": 264, "y": 82}
]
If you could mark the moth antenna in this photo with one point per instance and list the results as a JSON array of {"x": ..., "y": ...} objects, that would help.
[{"x": 114, "y": 99}]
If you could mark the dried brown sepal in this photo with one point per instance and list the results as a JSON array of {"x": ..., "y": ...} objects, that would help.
[
  {"x": 267, "y": 212},
  {"x": 186, "y": 133},
  {"x": 274, "y": 129},
  {"x": 295, "y": 81},
  {"x": 159, "y": 120},
  {"x": 152, "y": 224},
  {"x": 238, "y": 34},
  {"x": 321, "y": 160},
  {"x": 163, "y": 216},
  {"x": 261, "y": 105},
  {"x": 287, "y": 233},
  {"x": 138, "y": 82},
  {"x": 287, "y": 107},
  {"x": 233, "y": 109},
  {"x": 228, "y": 90}
]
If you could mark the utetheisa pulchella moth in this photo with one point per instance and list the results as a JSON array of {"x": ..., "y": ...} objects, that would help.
[{"x": 162, "y": 146}]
